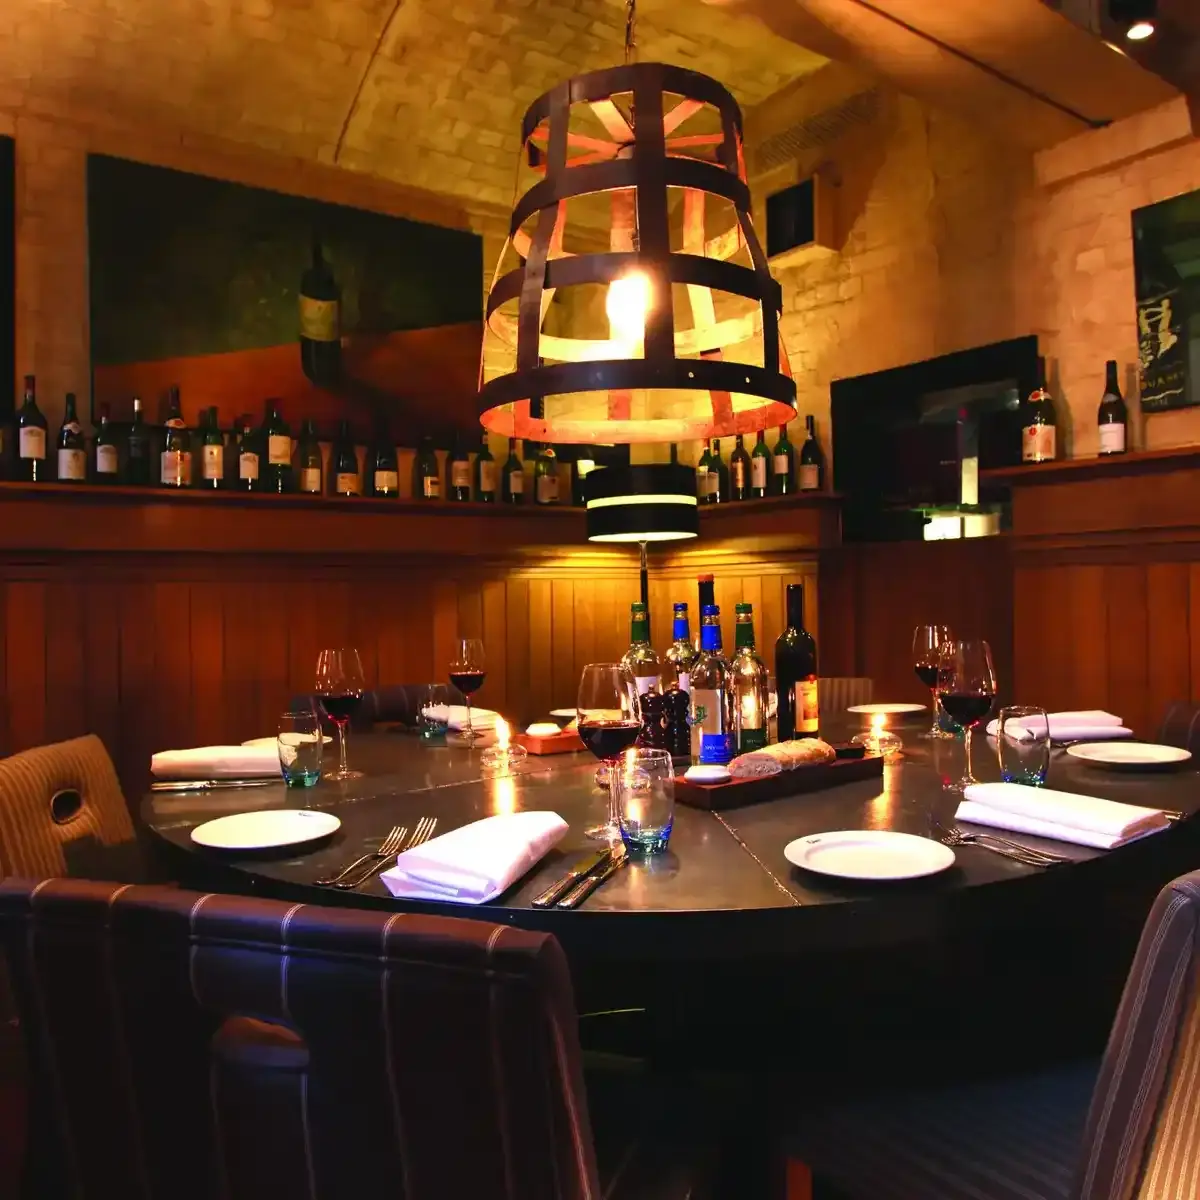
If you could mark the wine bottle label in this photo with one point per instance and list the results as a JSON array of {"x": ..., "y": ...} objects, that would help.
[
  {"x": 516, "y": 482},
  {"x": 279, "y": 449},
  {"x": 806, "y": 706},
  {"x": 73, "y": 427},
  {"x": 751, "y": 739},
  {"x": 1112, "y": 439},
  {"x": 547, "y": 489},
  {"x": 460, "y": 474},
  {"x": 32, "y": 442},
  {"x": 171, "y": 467},
  {"x": 810, "y": 477},
  {"x": 387, "y": 481},
  {"x": 685, "y": 681},
  {"x": 647, "y": 683},
  {"x": 310, "y": 480},
  {"x": 1037, "y": 443},
  {"x": 702, "y": 481},
  {"x": 739, "y": 473},
  {"x": 487, "y": 477},
  {"x": 431, "y": 487},
  {"x": 214, "y": 462},
  {"x": 72, "y": 464},
  {"x": 247, "y": 465},
  {"x": 780, "y": 465},
  {"x": 318, "y": 319},
  {"x": 346, "y": 483},
  {"x": 758, "y": 472},
  {"x": 185, "y": 467},
  {"x": 106, "y": 460}
]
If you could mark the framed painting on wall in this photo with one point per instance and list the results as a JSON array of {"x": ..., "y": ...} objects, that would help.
[{"x": 237, "y": 295}]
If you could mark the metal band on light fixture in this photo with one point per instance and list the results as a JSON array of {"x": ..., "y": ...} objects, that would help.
[{"x": 655, "y": 503}]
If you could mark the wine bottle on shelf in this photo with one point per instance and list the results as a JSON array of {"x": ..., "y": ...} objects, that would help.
[
  {"x": 346, "y": 479},
  {"x": 783, "y": 465},
  {"x": 137, "y": 448},
  {"x": 796, "y": 672},
  {"x": 703, "y": 463},
  {"x": 680, "y": 654},
  {"x": 739, "y": 471},
  {"x": 383, "y": 470},
  {"x": 31, "y": 437},
  {"x": 277, "y": 441},
  {"x": 641, "y": 659},
  {"x": 512, "y": 485},
  {"x": 712, "y": 715},
  {"x": 458, "y": 472},
  {"x": 812, "y": 461},
  {"x": 1038, "y": 432},
  {"x": 212, "y": 450},
  {"x": 760, "y": 466},
  {"x": 72, "y": 447},
  {"x": 748, "y": 682},
  {"x": 1113, "y": 416},
  {"x": 427, "y": 482},
  {"x": 310, "y": 467},
  {"x": 545, "y": 476},
  {"x": 247, "y": 455},
  {"x": 718, "y": 481},
  {"x": 485, "y": 473},
  {"x": 175, "y": 462},
  {"x": 106, "y": 455},
  {"x": 320, "y": 321},
  {"x": 582, "y": 467}
]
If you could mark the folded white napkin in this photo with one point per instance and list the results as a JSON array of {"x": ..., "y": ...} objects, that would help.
[
  {"x": 455, "y": 716},
  {"x": 1094, "y": 725},
  {"x": 474, "y": 864},
  {"x": 274, "y": 741},
  {"x": 216, "y": 762},
  {"x": 1065, "y": 816}
]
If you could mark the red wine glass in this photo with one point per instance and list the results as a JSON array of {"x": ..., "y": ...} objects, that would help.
[
  {"x": 609, "y": 721},
  {"x": 340, "y": 685},
  {"x": 967, "y": 690},
  {"x": 928, "y": 642},
  {"x": 468, "y": 670}
]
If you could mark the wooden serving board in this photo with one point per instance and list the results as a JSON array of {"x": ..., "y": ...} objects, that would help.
[
  {"x": 739, "y": 792},
  {"x": 565, "y": 741}
]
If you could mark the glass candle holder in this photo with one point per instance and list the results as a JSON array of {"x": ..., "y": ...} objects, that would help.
[{"x": 644, "y": 787}]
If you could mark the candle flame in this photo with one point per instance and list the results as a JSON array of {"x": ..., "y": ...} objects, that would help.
[
  {"x": 878, "y": 722},
  {"x": 503, "y": 733}
]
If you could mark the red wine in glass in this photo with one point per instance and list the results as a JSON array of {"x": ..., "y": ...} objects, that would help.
[
  {"x": 339, "y": 687},
  {"x": 468, "y": 682},
  {"x": 927, "y": 673},
  {"x": 966, "y": 708},
  {"x": 928, "y": 643},
  {"x": 341, "y": 706},
  {"x": 966, "y": 688},
  {"x": 468, "y": 670},
  {"x": 608, "y": 740}
]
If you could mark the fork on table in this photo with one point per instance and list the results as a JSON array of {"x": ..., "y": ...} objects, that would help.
[
  {"x": 952, "y": 835},
  {"x": 387, "y": 852}
]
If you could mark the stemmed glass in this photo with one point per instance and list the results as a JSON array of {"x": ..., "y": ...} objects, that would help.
[
  {"x": 340, "y": 685},
  {"x": 609, "y": 721},
  {"x": 967, "y": 690},
  {"x": 928, "y": 642},
  {"x": 468, "y": 670}
]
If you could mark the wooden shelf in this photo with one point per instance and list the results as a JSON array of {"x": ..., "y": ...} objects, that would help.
[
  {"x": 769, "y": 504},
  {"x": 1136, "y": 462}
]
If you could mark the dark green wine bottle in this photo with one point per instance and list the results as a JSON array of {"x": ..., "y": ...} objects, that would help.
[
  {"x": 212, "y": 451},
  {"x": 427, "y": 483},
  {"x": 812, "y": 462},
  {"x": 72, "y": 446},
  {"x": 760, "y": 466},
  {"x": 137, "y": 448},
  {"x": 277, "y": 442},
  {"x": 545, "y": 476},
  {"x": 458, "y": 472},
  {"x": 512, "y": 480},
  {"x": 721, "y": 468},
  {"x": 485, "y": 473},
  {"x": 106, "y": 455},
  {"x": 175, "y": 470},
  {"x": 310, "y": 467},
  {"x": 31, "y": 437},
  {"x": 739, "y": 471},
  {"x": 783, "y": 465},
  {"x": 384, "y": 467},
  {"x": 705, "y": 481},
  {"x": 346, "y": 481},
  {"x": 249, "y": 456}
]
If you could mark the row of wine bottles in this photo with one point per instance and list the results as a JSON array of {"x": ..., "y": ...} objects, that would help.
[
  {"x": 1039, "y": 429},
  {"x": 729, "y": 697},
  {"x": 764, "y": 471}
]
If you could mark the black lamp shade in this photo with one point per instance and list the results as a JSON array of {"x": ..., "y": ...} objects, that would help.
[{"x": 653, "y": 503}]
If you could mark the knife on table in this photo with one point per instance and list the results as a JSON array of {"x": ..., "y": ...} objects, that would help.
[
  {"x": 586, "y": 886},
  {"x": 202, "y": 785},
  {"x": 580, "y": 870}
]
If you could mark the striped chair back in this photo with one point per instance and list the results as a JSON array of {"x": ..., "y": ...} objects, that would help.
[
  {"x": 53, "y": 797},
  {"x": 835, "y": 694},
  {"x": 1142, "y": 1140},
  {"x": 191, "y": 1046}
]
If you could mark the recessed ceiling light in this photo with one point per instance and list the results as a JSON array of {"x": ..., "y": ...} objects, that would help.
[{"x": 1139, "y": 31}]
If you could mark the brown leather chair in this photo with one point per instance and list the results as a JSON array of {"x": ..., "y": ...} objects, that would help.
[
  {"x": 194, "y": 1046},
  {"x": 1127, "y": 1128}
]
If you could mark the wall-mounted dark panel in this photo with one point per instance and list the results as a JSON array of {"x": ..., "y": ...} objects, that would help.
[{"x": 8, "y": 277}]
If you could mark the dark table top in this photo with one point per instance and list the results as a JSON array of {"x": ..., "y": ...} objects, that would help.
[{"x": 724, "y": 888}]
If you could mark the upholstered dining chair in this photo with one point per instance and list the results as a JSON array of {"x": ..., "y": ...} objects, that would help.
[
  {"x": 835, "y": 694},
  {"x": 189, "y": 1046},
  {"x": 1181, "y": 726},
  {"x": 388, "y": 704},
  {"x": 1127, "y": 1128}
]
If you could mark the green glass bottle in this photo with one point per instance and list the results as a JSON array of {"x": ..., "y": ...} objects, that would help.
[
  {"x": 719, "y": 467},
  {"x": 783, "y": 465},
  {"x": 703, "y": 483},
  {"x": 485, "y": 473},
  {"x": 545, "y": 477},
  {"x": 249, "y": 458},
  {"x": 346, "y": 480},
  {"x": 310, "y": 467},
  {"x": 31, "y": 437},
  {"x": 106, "y": 455},
  {"x": 739, "y": 471},
  {"x": 137, "y": 448},
  {"x": 175, "y": 462},
  {"x": 427, "y": 481},
  {"x": 812, "y": 461},
  {"x": 512, "y": 485},
  {"x": 384, "y": 466},
  {"x": 71, "y": 460},
  {"x": 212, "y": 450},
  {"x": 760, "y": 467},
  {"x": 641, "y": 659},
  {"x": 748, "y": 682},
  {"x": 277, "y": 442},
  {"x": 458, "y": 472}
]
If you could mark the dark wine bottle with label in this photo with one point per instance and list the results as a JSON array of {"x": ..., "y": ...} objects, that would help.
[
  {"x": 1038, "y": 432},
  {"x": 512, "y": 480},
  {"x": 1113, "y": 417},
  {"x": 175, "y": 462},
  {"x": 796, "y": 672},
  {"x": 31, "y": 437},
  {"x": 739, "y": 471},
  {"x": 106, "y": 455},
  {"x": 812, "y": 461},
  {"x": 310, "y": 467},
  {"x": 137, "y": 448},
  {"x": 277, "y": 443},
  {"x": 760, "y": 466},
  {"x": 458, "y": 472},
  {"x": 545, "y": 477},
  {"x": 212, "y": 450},
  {"x": 718, "y": 472},
  {"x": 346, "y": 481},
  {"x": 581, "y": 470},
  {"x": 72, "y": 446},
  {"x": 704, "y": 487},
  {"x": 783, "y": 465},
  {"x": 247, "y": 455},
  {"x": 383, "y": 465},
  {"x": 485, "y": 473},
  {"x": 427, "y": 482},
  {"x": 320, "y": 321}
]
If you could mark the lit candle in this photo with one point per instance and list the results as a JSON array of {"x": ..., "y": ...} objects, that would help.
[
  {"x": 503, "y": 755},
  {"x": 503, "y": 734}
]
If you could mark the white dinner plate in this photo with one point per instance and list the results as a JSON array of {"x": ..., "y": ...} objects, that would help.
[
  {"x": 568, "y": 714},
  {"x": 268, "y": 829},
  {"x": 876, "y": 854},
  {"x": 886, "y": 710},
  {"x": 1129, "y": 756}
]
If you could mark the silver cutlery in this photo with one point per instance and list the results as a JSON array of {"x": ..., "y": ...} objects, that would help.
[
  {"x": 202, "y": 785},
  {"x": 422, "y": 833},
  {"x": 586, "y": 886},
  {"x": 999, "y": 845},
  {"x": 389, "y": 846},
  {"x": 580, "y": 870}
]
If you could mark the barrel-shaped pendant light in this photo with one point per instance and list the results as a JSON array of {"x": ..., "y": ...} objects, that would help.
[{"x": 632, "y": 292}]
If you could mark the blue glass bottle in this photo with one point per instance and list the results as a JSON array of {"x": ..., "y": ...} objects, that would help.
[{"x": 712, "y": 717}]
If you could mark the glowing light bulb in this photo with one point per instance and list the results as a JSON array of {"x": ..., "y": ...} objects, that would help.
[
  {"x": 1139, "y": 31},
  {"x": 627, "y": 303}
]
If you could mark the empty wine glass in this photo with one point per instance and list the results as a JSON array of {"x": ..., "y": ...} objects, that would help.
[
  {"x": 928, "y": 641},
  {"x": 609, "y": 721},
  {"x": 967, "y": 690},
  {"x": 339, "y": 688},
  {"x": 468, "y": 670}
]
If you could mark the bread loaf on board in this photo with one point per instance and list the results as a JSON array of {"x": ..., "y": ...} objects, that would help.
[{"x": 782, "y": 756}]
